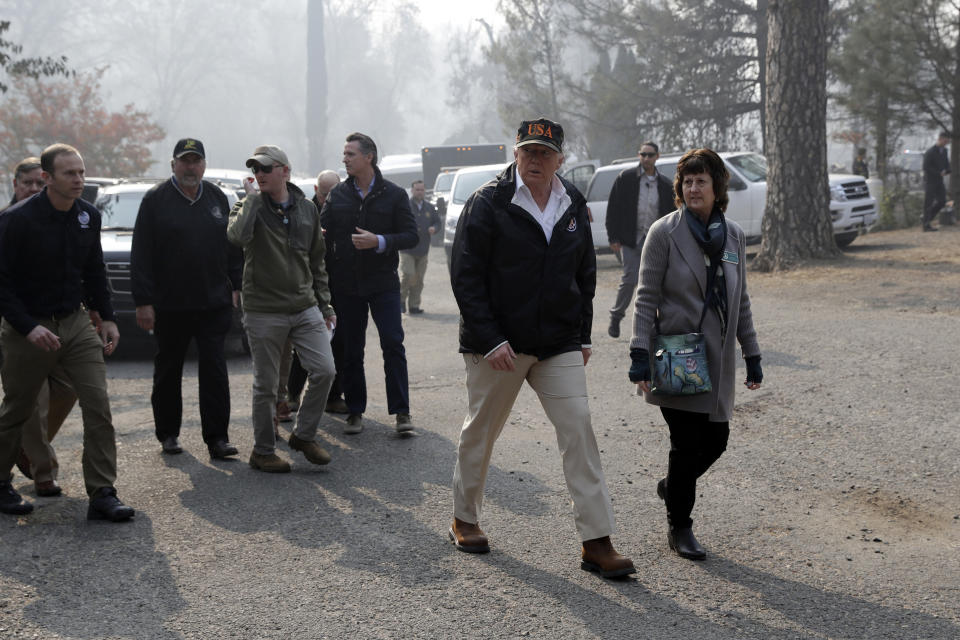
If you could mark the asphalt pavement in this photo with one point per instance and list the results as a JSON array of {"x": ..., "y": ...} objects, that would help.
[{"x": 833, "y": 514}]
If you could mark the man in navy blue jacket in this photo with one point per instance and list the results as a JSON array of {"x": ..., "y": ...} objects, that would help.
[{"x": 367, "y": 221}]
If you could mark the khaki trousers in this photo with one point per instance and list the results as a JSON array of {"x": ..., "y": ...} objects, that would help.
[
  {"x": 268, "y": 334},
  {"x": 54, "y": 403},
  {"x": 560, "y": 383},
  {"x": 25, "y": 369},
  {"x": 412, "y": 271}
]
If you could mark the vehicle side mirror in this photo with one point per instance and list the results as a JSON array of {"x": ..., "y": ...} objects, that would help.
[
  {"x": 441, "y": 202},
  {"x": 736, "y": 184}
]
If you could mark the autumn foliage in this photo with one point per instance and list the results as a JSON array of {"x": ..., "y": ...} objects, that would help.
[{"x": 39, "y": 112}]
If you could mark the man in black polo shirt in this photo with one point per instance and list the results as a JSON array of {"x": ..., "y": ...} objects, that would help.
[
  {"x": 51, "y": 262},
  {"x": 185, "y": 279}
]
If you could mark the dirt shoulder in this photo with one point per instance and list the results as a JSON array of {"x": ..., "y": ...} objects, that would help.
[{"x": 905, "y": 269}]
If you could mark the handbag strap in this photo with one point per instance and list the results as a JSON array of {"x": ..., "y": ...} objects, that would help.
[{"x": 706, "y": 303}]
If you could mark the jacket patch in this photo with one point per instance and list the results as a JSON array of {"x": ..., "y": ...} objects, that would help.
[
  {"x": 216, "y": 213},
  {"x": 84, "y": 219},
  {"x": 573, "y": 225}
]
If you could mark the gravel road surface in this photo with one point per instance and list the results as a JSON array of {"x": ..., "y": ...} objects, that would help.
[{"x": 835, "y": 512}]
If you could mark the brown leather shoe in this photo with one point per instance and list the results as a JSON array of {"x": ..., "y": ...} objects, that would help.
[
  {"x": 468, "y": 537},
  {"x": 598, "y": 555},
  {"x": 48, "y": 488}
]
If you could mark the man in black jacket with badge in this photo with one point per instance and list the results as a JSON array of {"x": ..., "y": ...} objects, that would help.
[
  {"x": 185, "y": 279},
  {"x": 367, "y": 220},
  {"x": 51, "y": 264},
  {"x": 638, "y": 198},
  {"x": 524, "y": 273}
]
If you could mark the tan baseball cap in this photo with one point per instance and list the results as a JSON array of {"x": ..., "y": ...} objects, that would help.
[{"x": 268, "y": 154}]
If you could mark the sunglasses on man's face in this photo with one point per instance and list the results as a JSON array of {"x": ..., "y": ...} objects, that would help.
[
  {"x": 259, "y": 168},
  {"x": 647, "y": 154}
]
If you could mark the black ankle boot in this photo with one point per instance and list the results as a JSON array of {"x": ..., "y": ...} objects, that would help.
[{"x": 686, "y": 546}]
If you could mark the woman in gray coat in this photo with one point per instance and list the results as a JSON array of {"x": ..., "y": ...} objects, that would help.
[{"x": 694, "y": 258}]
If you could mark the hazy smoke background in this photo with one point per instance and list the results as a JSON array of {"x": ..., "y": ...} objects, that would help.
[{"x": 233, "y": 72}]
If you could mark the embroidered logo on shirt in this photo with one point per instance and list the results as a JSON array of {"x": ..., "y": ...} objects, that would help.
[
  {"x": 216, "y": 213},
  {"x": 573, "y": 225},
  {"x": 84, "y": 219}
]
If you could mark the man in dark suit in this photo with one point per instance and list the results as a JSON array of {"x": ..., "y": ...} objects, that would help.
[
  {"x": 638, "y": 198},
  {"x": 936, "y": 165}
]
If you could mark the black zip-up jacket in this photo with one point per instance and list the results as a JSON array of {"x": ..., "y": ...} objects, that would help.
[
  {"x": 511, "y": 285},
  {"x": 621, "y": 221},
  {"x": 935, "y": 162},
  {"x": 50, "y": 262},
  {"x": 386, "y": 212},
  {"x": 180, "y": 259},
  {"x": 427, "y": 217}
]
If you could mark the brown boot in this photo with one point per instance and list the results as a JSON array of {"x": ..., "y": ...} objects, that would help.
[
  {"x": 468, "y": 537},
  {"x": 599, "y": 555},
  {"x": 310, "y": 449},
  {"x": 283, "y": 412}
]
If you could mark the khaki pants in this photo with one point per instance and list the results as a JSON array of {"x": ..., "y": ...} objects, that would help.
[
  {"x": 286, "y": 360},
  {"x": 412, "y": 270},
  {"x": 560, "y": 383},
  {"x": 26, "y": 368},
  {"x": 54, "y": 403},
  {"x": 268, "y": 334}
]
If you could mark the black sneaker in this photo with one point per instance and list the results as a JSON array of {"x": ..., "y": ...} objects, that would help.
[
  {"x": 11, "y": 502},
  {"x": 104, "y": 505},
  {"x": 222, "y": 449},
  {"x": 614, "y": 329}
]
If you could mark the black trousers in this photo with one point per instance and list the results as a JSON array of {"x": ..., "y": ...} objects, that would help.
[
  {"x": 695, "y": 444},
  {"x": 173, "y": 331},
  {"x": 353, "y": 313},
  {"x": 934, "y": 197}
]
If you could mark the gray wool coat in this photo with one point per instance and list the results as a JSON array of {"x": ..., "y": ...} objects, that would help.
[{"x": 673, "y": 280}]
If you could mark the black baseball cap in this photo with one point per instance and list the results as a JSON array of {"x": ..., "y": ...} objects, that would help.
[
  {"x": 541, "y": 131},
  {"x": 188, "y": 145}
]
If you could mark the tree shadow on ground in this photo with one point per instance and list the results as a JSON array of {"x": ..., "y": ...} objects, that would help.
[
  {"x": 827, "y": 613},
  {"x": 92, "y": 579},
  {"x": 364, "y": 502}
]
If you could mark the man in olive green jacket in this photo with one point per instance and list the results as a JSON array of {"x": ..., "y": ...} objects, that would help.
[{"x": 285, "y": 295}]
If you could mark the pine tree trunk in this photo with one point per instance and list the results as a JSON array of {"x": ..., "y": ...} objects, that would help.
[
  {"x": 954, "y": 182},
  {"x": 316, "y": 112},
  {"x": 796, "y": 225},
  {"x": 882, "y": 133},
  {"x": 762, "y": 6}
]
